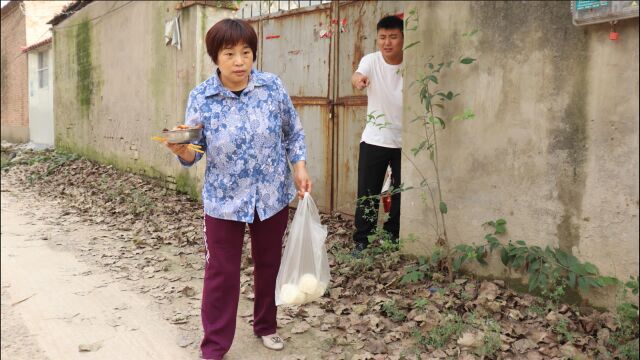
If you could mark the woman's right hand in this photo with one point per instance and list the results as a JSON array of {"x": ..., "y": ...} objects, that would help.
[{"x": 181, "y": 150}]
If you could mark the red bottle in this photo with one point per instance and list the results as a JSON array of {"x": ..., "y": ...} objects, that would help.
[{"x": 386, "y": 202}]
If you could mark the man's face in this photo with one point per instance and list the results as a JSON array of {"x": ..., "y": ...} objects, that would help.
[{"x": 390, "y": 42}]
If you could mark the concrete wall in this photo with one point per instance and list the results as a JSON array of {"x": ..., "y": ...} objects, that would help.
[
  {"x": 40, "y": 99},
  {"x": 14, "y": 118},
  {"x": 117, "y": 84},
  {"x": 554, "y": 146}
]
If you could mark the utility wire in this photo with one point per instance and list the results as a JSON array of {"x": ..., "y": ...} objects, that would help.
[{"x": 94, "y": 18}]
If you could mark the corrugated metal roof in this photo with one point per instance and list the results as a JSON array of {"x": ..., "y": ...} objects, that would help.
[{"x": 68, "y": 11}]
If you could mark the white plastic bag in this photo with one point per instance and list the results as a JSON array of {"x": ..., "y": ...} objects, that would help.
[
  {"x": 387, "y": 181},
  {"x": 304, "y": 270}
]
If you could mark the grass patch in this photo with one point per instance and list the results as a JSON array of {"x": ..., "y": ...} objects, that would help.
[{"x": 391, "y": 310}]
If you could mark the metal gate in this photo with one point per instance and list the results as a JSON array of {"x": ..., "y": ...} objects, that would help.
[{"x": 315, "y": 50}]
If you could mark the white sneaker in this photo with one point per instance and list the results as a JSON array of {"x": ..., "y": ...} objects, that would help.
[{"x": 273, "y": 342}]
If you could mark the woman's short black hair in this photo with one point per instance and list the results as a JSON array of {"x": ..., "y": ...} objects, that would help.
[
  {"x": 230, "y": 32},
  {"x": 391, "y": 22}
]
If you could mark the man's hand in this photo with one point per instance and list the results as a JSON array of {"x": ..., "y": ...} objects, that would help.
[
  {"x": 359, "y": 81},
  {"x": 301, "y": 178}
]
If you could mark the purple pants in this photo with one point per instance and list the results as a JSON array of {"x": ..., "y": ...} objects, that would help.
[{"x": 221, "y": 290}]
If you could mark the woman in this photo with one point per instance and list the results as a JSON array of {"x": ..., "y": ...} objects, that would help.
[{"x": 250, "y": 130}]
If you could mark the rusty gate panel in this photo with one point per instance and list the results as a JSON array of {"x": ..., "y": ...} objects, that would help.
[
  {"x": 315, "y": 50},
  {"x": 318, "y": 128},
  {"x": 347, "y": 147},
  {"x": 359, "y": 38},
  {"x": 350, "y": 107},
  {"x": 255, "y": 24},
  {"x": 293, "y": 48}
]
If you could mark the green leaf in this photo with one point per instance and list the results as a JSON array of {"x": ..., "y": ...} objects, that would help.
[
  {"x": 457, "y": 262},
  {"x": 493, "y": 242},
  {"x": 443, "y": 207},
  {"x": 501, "y": 222},
  {"x": 597, "y": 282},
  {"x": 572, "y": 280},
  {"x": 470, "y": 33},
  {"x": 583, "y": 284},
  {"x": 608, "y": 280},
  {"x": 562, "y": 257},
  {"x": 419, "y": 148},
  {"x": 436, "y": 121},
  {"x": 521, "y": 242},
  {"x": 432, "y": 78},
  {"x": 427, "y": 102},
  {"x": 423, "y": 94},
  {"x": 534, "y": 265},
  {"x": 412, "y": 277},
  {"x": 430, "y": 66},
  {"x": 519, "y": 261},
  {"x": 504, "y": 256},
  {"x": 467, "y": 61},
  {"x": 533, "y": 281},
  {"x": 466, "y": 115},
  {"x": 463, "y": 248},
  {"x": 590, "y": 268},
  {"x": 542, "y": 280},
  {"x": 411, "y": 45}
]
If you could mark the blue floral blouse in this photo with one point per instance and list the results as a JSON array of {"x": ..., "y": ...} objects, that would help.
[{"x": 247, "y": 140}]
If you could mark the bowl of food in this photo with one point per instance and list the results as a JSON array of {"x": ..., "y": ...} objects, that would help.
[{"x": 182, "y": 134}]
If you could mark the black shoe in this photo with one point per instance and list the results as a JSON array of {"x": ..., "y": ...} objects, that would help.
[{"x": 357, "y": 251}]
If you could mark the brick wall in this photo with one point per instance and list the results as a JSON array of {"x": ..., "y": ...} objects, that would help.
[{"x": 13, "y": 75}]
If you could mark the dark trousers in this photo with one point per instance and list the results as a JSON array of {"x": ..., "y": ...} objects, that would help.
[
  {"x": 372, "y": 166},
  {"x": 221, "y": 290}
]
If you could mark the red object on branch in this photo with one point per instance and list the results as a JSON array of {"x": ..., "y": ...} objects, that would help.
[
  {"x": 269, "y": 37},
  {"x": 386, "y": 202}
]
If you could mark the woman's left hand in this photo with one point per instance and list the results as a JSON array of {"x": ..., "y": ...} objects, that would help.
[{"x": 301, "y": 178}]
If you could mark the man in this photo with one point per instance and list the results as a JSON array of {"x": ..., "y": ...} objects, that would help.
[{"x": 380, "y": 146}]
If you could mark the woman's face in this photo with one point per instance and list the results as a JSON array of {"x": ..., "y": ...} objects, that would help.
[{"x": 235, "y": 64}]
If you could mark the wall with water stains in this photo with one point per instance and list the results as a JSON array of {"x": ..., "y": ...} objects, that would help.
[
  {"x": 117, "y": 84},
  {"x": 553, "y": 148}
]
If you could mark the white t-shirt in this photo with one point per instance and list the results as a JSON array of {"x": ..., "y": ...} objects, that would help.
[{"x": 385, "y": 101}]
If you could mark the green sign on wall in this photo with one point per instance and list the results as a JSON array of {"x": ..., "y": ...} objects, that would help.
[{"x": 590, "y": 4}]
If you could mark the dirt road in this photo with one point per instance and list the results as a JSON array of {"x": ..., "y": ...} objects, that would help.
[{"x": 74, "y": 290}]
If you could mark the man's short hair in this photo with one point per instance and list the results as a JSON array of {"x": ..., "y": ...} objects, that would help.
[{"x": 391, "y": 22}]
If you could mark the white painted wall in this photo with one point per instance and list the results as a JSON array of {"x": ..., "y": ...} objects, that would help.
[{"x": 40, "y": 100}]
